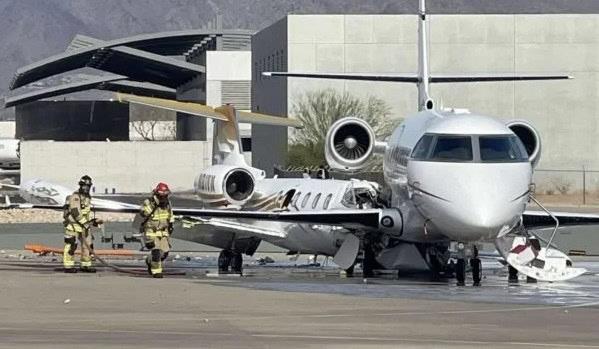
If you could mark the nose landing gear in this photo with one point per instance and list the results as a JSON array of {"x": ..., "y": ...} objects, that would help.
[{"x": 475, "y": 265}]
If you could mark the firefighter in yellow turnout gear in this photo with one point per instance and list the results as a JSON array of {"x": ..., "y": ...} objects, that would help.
[
  {"x": 157, "y": 225},
  {"x": 78, "y": 221}
]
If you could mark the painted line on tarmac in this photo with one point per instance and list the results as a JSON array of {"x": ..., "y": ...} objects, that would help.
[
  {"x": 292, "y": 336},
  {"x": 414, "y": 313}
]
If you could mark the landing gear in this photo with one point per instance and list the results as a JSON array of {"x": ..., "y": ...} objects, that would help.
[
  {"x": 476, "y": 266},
  {"x": 369, "y": 261},
  {"x": 349, "y": 272},
  {"x": 512, "y": 275},
  {"x": 229, "y": 258},
  {"x": 237, "y": 263},
  {"x": 460, "y": 272}
]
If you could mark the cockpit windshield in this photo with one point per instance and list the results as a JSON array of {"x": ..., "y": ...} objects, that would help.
[
  {"x": 452, "y": 148},
  {"x": 443, "y": 148},
  {"x": 501, "y": 149},
  {"x": 469, "y": 148}
]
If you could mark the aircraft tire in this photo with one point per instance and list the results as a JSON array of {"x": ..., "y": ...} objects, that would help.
[
  {"x": 513, "y": 275},
  {"x": 237, "y": 263},
  {"x": 369, "y": 262},
  {"x": 460, "y": 272},
  {"x": 224, "y": 260},
  {"x": 476, "y": 266}
]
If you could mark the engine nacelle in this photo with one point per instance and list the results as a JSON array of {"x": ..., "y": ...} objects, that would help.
[
  {"x": 223, "y": 185},
  {"x": 530, "y": 137},
  {"x": 350, "y": 143}
]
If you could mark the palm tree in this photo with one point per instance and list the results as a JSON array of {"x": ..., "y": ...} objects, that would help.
[{"x": 318, "y": 110}]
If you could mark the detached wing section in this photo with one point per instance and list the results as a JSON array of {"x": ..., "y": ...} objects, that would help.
[{"x": 540, "y": 219}]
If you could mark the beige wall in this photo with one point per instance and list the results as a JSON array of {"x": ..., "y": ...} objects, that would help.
[
  {"x": 565, "y": 112},
  {"x": 7, "y": 129},
  {"x": 129, "y": 167}
]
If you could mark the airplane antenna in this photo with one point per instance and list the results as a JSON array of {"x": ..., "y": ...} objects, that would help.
[{"x": 425, "y": 102}]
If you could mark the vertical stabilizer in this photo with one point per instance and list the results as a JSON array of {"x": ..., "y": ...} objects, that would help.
[
  {"x": 424, "y": 100},
  {"x": 226, "y": 143}
]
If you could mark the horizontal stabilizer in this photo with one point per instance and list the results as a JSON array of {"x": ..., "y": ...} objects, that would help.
[
  {"x": 349, "y": 76},
  {"x": 492, "y": 78},
  {"x": 414, "y": 78},
  {"x": 208, "y": 112}
]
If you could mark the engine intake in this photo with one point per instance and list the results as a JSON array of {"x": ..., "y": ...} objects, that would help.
[
  {"x": 530, "y": 137},
  {"x": 349, "y": 144},
  {"x": 239, "y": 185}
]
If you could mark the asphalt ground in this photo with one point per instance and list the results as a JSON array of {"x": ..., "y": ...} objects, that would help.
[{"x": 287, "y": 304}]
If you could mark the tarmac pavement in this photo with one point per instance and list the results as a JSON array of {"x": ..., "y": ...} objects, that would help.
[{"x": 275, "y": 307}]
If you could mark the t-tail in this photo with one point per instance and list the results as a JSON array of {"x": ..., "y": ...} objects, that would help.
[{"x": 423, "y": 78}]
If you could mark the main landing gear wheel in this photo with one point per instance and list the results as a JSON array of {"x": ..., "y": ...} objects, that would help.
[
  {"x": 349, "y": 272},
  {"x": 512, "y": 275},
  {"x": 224, "y": 260},
  {"x": 368, "y": 263},
  {"x": 237, "y": 263},
  {"x": 476, "y": 266},
  {"x": 460, "y": 272}
]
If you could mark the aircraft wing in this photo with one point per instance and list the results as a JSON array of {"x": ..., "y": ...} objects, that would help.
[
  {"x": 354, "y": 219},
  {"x": 540, "y": 219}
]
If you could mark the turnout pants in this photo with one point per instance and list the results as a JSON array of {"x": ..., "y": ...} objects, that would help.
[
  {"x": 158, "y": 253},
  {"x": 70, "y": 246}
]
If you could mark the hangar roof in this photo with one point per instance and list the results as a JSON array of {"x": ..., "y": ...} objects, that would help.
[
  {"x": 122, "y": 56},
  {"x": 112, "y": 82}
]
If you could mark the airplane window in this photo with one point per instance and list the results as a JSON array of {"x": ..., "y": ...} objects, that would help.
[
  {"x": 305, "y": 201},
  {"x": 422, "y": 148},
  {"x": 327, "y": 201},
  {"x": 502, "y": 149},
  {"x": 296, "y": 198},
  {"x": 316, "y": 198},
  {"x": 452, "y": 148}
]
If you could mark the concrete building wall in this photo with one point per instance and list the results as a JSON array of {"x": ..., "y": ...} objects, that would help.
[
  {"x": 269, "y": 53},
  {"x": 565, "y": 112},
  {"x": 128, "y": 167},
  {"x": 7, "y": 129},
  {"x": 228, "y": 81}
]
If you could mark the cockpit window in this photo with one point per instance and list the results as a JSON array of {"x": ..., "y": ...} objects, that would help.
[
  {"x": 422, "y": 148},
  {"x": 452, "y": 148},
  {"x": 502, "y": 149}
]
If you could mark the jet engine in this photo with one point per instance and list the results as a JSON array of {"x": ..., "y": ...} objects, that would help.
[
  {"x": 350, "y": 143},
  {"x": 223, "y": 185},
  {"x": 530, "y": 137}
]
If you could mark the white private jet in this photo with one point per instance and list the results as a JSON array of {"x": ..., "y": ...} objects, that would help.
[{"x": 455, "y": 177}]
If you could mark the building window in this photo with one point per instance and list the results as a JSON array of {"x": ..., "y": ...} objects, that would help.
[{"x": 246, "y": 144}]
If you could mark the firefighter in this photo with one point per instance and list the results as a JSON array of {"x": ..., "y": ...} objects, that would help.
[
  {"x": 78, "y": 220},
  {"x": 156, "y": 227}
]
